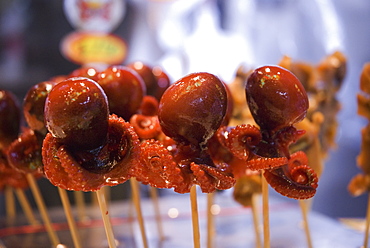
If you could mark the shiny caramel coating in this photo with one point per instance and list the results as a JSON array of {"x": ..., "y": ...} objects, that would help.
[
  {"x": 275, "y": 97},
  {"x": 76, "y": 112}
]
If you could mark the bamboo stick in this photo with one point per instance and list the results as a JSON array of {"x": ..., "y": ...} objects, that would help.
[
  {"x": 265, "y": 212},
  {"x": 210, "y": 220},
  {"x": 136, "y": 200},
  {"x": 157, "y": 212},
  {"x": 256, "y": 221},
  {"x": 27, "y": 209},
  {"x": 42, "y": 208},
  {"x": 194, "y": 216},
  {"x": 71, "y": 222},
  {"x": 105, "y": 215}
]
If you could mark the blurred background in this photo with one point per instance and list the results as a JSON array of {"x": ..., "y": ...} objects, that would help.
[{"x": 216, "y": 36}]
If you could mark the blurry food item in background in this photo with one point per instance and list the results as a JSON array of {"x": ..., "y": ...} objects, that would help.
[
  {"x": 10, "y": 122},
  {"x": 241, "y": 113},
  {"x": 363, "y": 99},
  {"x": 322, "y": 83},
  {"x": 310, "y": 142},
  {"x": 331, "y": 73},
  {"x": 247, "y": 186},
  {"x": 360, "y": 183}
]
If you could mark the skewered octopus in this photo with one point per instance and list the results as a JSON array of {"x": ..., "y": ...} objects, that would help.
[
  {"x": 24, "y": 153},
  {"x": 86, "y": 148},
  {"x": 10, "y": 121},
  {"x": 190, "y": 112},
  {"x": 277, "y": 100},
  {"x": 170, "y": 144}
]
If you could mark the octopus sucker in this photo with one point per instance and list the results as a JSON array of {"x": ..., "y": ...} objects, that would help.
[{"x": 153, "y": 162}]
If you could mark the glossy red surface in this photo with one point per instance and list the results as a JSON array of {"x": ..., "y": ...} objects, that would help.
[
  {"x": 34, "y": 104},
  {"x": 125, "y": 90},
  {"x": 193, "y": 108},
  {"x": 76, "y": 112},
  {"x": 275, "y": 97}
]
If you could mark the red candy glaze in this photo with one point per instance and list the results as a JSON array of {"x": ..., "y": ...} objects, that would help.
[
  {"x": 162, "y": 82},
  {"x": 76, "y": 113},
  {"x": 193, "y": 108},
  {"x": 34, "y": 104},
  {"x": 125, "y": 90},
  {"x": 275, "y": 97},
  {"x": 277, "y": 100},
  {"x": 156, "y": 80},
  {"x": 96, "y": 150},
  {"x": 120, "y": 153},
  {"x": 24, "y": 154}
]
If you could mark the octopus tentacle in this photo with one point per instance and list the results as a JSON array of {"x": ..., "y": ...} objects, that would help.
[
  {"x": 224, "y": 180},
  {"x": 299, "y": 182},
  {"x": 206, "y": 182},
  {"x": 63, "y": 167},
  {"x": 179, "y": 179},
  {"x": 241, "y": 140},
  {"x": 304, "y": 174},
  {"x": 297, "y": 158},
  {"x": 285, "y": 137},
  {"x": 154, "y": 160},
  {"x": 149, "y": 106},
  {"x": 147, "y": 127},
  {"x": 221, "y": 135},
  {"x": 24, "y": 153},
  {"x": 262, "y": 163}
]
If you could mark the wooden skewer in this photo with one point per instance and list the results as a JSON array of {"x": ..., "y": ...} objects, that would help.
[
  {"x": 256, "y": 221},
  {"x": 130, "y": 216},
  {"x": 136, "y": 199},
  {"x": 194, "y": 216},
  {"x": 210, "y": 220},
  {"x": 71, "y": 222},
  {"x": 157, "y": 212},
  {"x": 9, "y": 204},
  {"x": 80, "y": 204},
  {"x": 106, "y": 220},
  {"x": 265, "y": 212},
  {"x": 26, "y": 207},
  {"x": 106, "y": 190},
  {"x": 303, "y": 205},
  {"x": 107, "y": 193},
  {"x": 42, "y": 208},
  {"x": 367, "y": 224}
]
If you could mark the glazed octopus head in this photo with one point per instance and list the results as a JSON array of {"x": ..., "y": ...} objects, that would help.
[
  {"x": 34, "y": 104},
  {"x": 275, "y": 97},
  {"x": 193, "y": 108},
  {"x": 76, "y": 113},
  {"x": 156, "y": 80},
  {"x": 125, "y": 90}
]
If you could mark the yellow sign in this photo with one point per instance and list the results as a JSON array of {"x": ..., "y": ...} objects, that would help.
[{"x": 87, "y": 48}]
